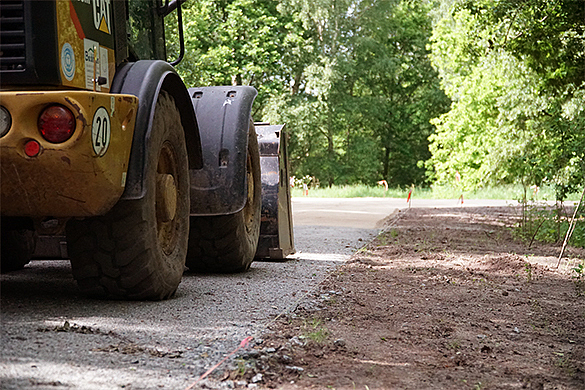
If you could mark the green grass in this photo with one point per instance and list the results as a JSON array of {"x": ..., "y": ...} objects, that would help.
[
  {"x": 315, "y": 331},
  {"x": 511, "y": 192}
]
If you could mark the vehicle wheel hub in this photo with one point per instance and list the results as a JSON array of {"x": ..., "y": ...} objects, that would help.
[{"x": 166, "y": 197}]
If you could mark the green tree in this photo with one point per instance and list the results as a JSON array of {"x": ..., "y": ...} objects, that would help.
[
  {"x": 515, "y": 72},
  {"x": 375, "y": 89},
  {"x": 398, "y": 89},
  {"x": 351, "y": 79},
  {"x": 236, "y": 42}
]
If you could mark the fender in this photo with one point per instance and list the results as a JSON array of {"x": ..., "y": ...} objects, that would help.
[
  {"x": 223, "y": 118},
  {"x": 145, "y": 80}
]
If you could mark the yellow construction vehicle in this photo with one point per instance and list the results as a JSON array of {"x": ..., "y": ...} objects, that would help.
[{"x": 102, "y": 143}]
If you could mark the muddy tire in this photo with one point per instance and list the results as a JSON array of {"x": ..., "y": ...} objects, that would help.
[
  {"x": 17, "y": 246},
  {"x": 227, "y": 243},
  {"x": 137, "y": 250}
]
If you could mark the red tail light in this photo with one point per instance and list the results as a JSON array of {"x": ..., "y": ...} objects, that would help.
[
  {"x": 32, "y": 148},
  {"x": 56, "y": 123}
]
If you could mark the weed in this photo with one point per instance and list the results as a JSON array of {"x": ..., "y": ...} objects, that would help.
[
  {"x": 454, "y": 344},
  {"x": 528, "y": 269},
  {"x": 315, "y": 331},
  {"x": 542, "y": 223},
  {"x": 382, "y": 240},
  {"x": 564, "y": 363},
  {"x": 242, "y": 367},
  {"x": 579, "y": 278}
]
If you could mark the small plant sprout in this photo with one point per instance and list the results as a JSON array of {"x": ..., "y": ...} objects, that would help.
[
  {"x": 579, "y": 278},
  {"x": 528, "y": 269}
]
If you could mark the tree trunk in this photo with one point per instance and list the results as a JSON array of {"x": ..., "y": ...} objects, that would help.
[
  {"x": 237, "y": 79},
  {"x": 297, "y": 82},
  {"x": 386, "y": 163}
]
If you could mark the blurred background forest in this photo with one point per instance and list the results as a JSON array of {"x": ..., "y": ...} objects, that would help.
[{"x": 412, "y": 92}]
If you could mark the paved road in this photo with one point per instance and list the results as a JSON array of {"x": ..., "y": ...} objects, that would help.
[
  {"x": 365, "y": 213},
  {"x": 166, "y": 345}
]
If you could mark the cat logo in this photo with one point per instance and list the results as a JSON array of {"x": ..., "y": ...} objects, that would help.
[{"x": 101, "y": 15}]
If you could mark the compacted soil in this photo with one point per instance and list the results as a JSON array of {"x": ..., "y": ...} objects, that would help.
[{"x": 442, "y": 299}]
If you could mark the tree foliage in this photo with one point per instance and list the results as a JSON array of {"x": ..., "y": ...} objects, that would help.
[
  {"x": 515, "y": 71},
  {"x": 351, "y": 79},
  {"x": 371, "y": 89}
]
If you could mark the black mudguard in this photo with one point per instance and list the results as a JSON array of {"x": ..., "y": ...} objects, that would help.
[
  {"x": 145, "y": 80},
  {"x": 223, "y": 119}
]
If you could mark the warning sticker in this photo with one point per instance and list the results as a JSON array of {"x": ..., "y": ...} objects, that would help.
[
  {"x": 96, "y": 65},
  {"x": 100, "y": 131},
  {"x": 104, "y": 72}
]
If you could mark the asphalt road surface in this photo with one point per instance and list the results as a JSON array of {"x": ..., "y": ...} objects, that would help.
[{"x": 53, "y": 337}]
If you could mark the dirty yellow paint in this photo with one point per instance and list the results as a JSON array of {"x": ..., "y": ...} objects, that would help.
[
  {"x": 69, "y": 34},
  {"x": 67, "y": 179}
]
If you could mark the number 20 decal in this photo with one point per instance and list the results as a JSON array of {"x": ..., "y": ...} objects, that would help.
[{"x": 100, "y": 131}]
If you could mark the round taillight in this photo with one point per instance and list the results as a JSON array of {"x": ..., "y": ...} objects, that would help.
[
  {"x": 32, "y": 148},
  {"x": 56, "y": 124}
]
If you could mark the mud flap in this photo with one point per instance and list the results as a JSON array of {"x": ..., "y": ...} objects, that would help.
[
  {"x": 276, "y": 229},
  {"x": 223, "y": 119}
]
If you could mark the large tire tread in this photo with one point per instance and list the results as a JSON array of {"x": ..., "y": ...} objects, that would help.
[
  {"x": 227, "y": 243},
  {"x": 118, "y": 256}
]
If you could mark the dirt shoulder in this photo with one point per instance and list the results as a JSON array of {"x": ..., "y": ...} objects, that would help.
[{"x": 444, "y": 299}]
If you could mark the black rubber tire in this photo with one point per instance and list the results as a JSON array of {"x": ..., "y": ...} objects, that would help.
[
  {"x": 16, "y": 248},
  {"x": 227, "y": 243},
  {"x": 131, "y": 252}
]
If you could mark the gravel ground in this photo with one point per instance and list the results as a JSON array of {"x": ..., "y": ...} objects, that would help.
[{"x": 52, "y": 337}]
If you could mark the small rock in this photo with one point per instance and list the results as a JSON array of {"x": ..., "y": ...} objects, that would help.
[
  {"x": 285, "y": 359},
  {"x": 505, "y": 293},
  {"x": 270, "y": 350},
  {"x": 207, "y": 384},
  {"x": 295, "y": 341},
  {"x": 295, "y": 369},
  {"x": 257, "y": 378},
  {"x": 252, "y": 386},
  {"x": 481, "y": 336},
  {"x": 339, "y": 343},
  {"x": 516, "y": 329},
  {"x": 229, "y": 384}
]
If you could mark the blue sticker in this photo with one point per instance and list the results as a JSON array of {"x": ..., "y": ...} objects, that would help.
[{"x": 68, "y": 61}]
